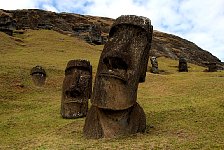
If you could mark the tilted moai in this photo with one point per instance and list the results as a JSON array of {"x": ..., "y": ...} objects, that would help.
[
  {"x": 154, "y": 63},
  {"x": 38, "y": 75},
  {"x": 76, "y": 89},
  {"x": 183, "y": 65},
  {"x": 122, "y": 65}
]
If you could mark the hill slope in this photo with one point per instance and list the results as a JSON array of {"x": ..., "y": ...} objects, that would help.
[
  {"x": 95, "y": 30},
  {"x": 183, "y": 110}
]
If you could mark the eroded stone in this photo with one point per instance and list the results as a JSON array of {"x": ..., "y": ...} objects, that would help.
[
  {"x": 212, "y": 66},
  {"x": 183, "y": 65},
  {"x": 122, "y": 65},
  {"x": 77, "y": 88},
  {"x": 38, "y": 75},
  {"x": 154, "y": 64}
]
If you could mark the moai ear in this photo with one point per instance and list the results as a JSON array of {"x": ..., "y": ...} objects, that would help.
[{"x": 145, "y": 58}]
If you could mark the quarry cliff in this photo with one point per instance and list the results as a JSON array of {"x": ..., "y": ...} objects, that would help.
[{"x": 94, "y": 30}]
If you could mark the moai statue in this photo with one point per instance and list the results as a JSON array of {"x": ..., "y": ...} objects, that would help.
[
  {"x": 76, "y": 89},
  {"x": 154, "y": 63},
  {"x": 122, "y": 65},
  {"x": 183, "y": 65},
  {"x": 212, "y": 67},
  {"x": 38, "y": 75}
]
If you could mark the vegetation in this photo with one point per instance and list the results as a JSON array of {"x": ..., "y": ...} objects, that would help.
[{"x": 184, "y": 110}]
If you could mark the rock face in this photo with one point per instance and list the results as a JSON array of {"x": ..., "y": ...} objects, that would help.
[
  {"x": 122, "y": 65},
  {"x": 95, "y": 30},
  {"x": 7, "y": 23},
  {"x": 76, "y": 89},
  {"x": 38, "y": 75},
  {"x": 174, "y": 47},
  {"x": 86, "y": 27}
]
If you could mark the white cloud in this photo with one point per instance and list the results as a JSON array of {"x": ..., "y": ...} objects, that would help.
[
  {"x": 198, "y": 21},
  {"x": 49, "y": 8},
  {"x": 16, "y": 4}
]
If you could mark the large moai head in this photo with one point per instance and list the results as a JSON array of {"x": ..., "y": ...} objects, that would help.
[
  {"x": 123, "y": 63},
  {"x": 154, "y": 65},
  {"x": 38, "y": 75},
  {"x": 122, "y": 66},
  {"x": 183, "y": 65},
  {"x": 76, "y": 89}
]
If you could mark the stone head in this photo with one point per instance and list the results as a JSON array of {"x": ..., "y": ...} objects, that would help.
[
  {"x": 154, "y": 61},
  {"x": 78, "y": 80},
  {"x": 183, "y": 65},
  {"x": 76, "y": 89},
  {"x": 123, "y": 63},
  {"x": 38, "y": 75}
]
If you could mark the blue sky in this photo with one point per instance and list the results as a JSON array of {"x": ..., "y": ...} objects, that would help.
[{"x": 199, "y": 21}]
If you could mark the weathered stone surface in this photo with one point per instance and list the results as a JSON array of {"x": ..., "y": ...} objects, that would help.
[
  {"x": 73, "y": 24},
  {"x": 108, "y": 123},
  {"x": 154, "y": 63},
  {"x": 38, "y": 75},
  {"x": 89, "y": 32},
  {"x": 122, "y": 65},
  {"x": 77, "y": 88},
  {"x": 183, "y": 65},
  {"x": 7, "y": 23},
  {"x": 212, "y": 66}
]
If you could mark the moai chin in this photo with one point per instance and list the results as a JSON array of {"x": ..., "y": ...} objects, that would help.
[
  {"x": 183, "y": 65},
  {"x": 76, "y": 89},
  {"x": 154, "y": 65},
  {"x": 122, "y": 65},
  {"x": 38, "y": 75}
]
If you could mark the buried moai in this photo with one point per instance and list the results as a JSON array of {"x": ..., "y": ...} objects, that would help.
[
  {"x": 76, "y": 89},
  {"x": 183, "y": 65},
  {"x": 122, "y": 65},
  {"x": 212, "y": 67},
  {"x": 38, "y": 75},
  {"x": 154, "y": 63}
]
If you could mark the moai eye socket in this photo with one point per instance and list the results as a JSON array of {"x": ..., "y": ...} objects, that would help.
[{"x": 115, "y": 63}]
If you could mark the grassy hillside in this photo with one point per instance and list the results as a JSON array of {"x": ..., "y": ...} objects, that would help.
[{"x": 183, "y": 110}]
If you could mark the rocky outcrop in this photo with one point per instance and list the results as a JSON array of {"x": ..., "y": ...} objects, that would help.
[
  {"x": 94, "y": 30},
  {"x": 7, "y": 23},
  {"x": 86, "y": 27},
  {"x": 174, "y": 47}
]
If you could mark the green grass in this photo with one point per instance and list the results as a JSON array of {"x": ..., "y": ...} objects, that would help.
[{"x": 183, "y": 110}]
